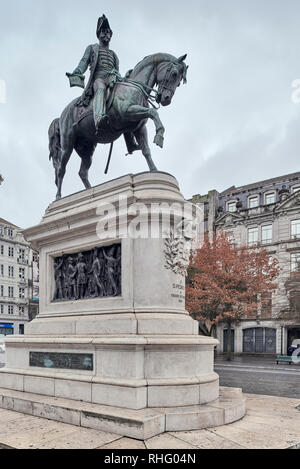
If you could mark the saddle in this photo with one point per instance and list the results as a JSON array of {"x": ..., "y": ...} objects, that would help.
[{"x": 82, "y": 111}]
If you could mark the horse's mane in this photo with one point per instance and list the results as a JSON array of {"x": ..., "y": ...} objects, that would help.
[{"x": 158, "y": 57}]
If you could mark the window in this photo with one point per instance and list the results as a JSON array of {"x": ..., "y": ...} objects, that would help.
[
  {"x": 10, "y": 292},
  {"x": 259, "y": 340},
  {"x": 266, "y": 305},
  {"x": 252, "y": 236},
  {"x": 21, "y": 273},
  {"x": 6, "y": 329},
  {"x": 253, "y": 202},
  {"x": 295, "y": 229},
  {"x": 1, "y": 290},
  {"x": 231, "y": 207},
  {"x": 270, "y": 198},
  {"x": 2, "y": 250},
  {"x": 1, "y": 309},
  {"x": 295, "y": 262},
  {"x": 10, "y": 309},
  {"x": 10, "y": 232},
  {"x": 11, "y": 252},
  {"x": 10, "y": 271},
  {"x": 21, "y": 292},
  {"x": 21, "y": 310},
  {"x": 267, "y": 234},
  {"x": 22, "y": 255},
  {"x": 2, "y": 270}
]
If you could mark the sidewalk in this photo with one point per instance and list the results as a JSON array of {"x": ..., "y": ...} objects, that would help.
[
  {"x": 267, "y": 362},
  {"x": 270, "y": 423}
]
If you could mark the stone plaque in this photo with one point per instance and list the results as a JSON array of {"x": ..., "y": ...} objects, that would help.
[
  {"x": 90, "y": 274},
  {"x": 67, "y": 361}
]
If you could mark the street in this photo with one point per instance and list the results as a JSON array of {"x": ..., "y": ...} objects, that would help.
[{"x": 259, "y": 375}]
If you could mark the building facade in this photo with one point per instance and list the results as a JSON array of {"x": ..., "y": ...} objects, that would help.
[
  {"x": 264, "y": 214},
  {"x": 18, "y": 280}
]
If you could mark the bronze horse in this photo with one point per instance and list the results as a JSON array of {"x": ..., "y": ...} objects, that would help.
[{"x": 128, "y": 109}]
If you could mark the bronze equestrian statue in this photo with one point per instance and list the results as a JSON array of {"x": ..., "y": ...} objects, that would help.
[{"x": 111, "y": 105}]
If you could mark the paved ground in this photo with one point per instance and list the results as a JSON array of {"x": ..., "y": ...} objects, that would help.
[
  {"x": 260, "y": 375},
  {"x": 270, "y": 423}
]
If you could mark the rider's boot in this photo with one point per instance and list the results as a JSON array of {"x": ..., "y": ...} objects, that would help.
[
  {"x": 131, "y": 143},
  {"x": 99, "y": 108}
]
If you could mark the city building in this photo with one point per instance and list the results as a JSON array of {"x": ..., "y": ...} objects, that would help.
[
  {"x": 18, "y": 280},
  {"x": 267, "y": 214}
]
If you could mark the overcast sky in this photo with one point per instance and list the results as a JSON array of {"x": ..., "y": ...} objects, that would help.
[{"x": 234, "y": 122}]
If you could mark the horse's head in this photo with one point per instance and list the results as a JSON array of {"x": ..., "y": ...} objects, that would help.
[{"x": 169, "y": 76}]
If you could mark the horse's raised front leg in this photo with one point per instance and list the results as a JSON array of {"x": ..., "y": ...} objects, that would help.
[
  {"x": 137, "y": 113},
  {"x": 142, "y": 138}
]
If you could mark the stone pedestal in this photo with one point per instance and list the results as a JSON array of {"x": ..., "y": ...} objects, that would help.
[{"x": 136, "y": 350}]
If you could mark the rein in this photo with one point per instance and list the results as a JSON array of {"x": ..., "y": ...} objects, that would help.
[{"x": 144, "y": 89}]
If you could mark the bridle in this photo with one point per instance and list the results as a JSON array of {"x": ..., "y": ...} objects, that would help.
[{"x": 162, "y": 86}]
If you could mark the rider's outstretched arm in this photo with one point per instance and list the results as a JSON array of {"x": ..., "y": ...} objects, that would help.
[{"x": 84, "y": 62}]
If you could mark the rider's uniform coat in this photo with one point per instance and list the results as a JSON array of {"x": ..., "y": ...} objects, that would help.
[{"x": 103, "y": 63}]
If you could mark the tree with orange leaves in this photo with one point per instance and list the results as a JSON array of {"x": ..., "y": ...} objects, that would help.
[{"x": 225, "y": 283}]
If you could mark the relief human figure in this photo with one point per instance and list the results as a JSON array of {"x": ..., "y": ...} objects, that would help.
[
  {"x": 59, "y": 276},
  {"x": 80, "y": 273},
  {"x": 112, "y": 267},
  {"x": 71, "y": 281},
  {"x": 96, "y": 271}
]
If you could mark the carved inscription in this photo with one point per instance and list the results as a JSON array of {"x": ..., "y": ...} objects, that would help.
[
  {"x": 67, "y": 361},
  {"x": 90, "y": 274},
  {"x": 178, "y": 292}
]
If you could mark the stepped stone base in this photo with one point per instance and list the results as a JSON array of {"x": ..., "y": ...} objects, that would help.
[{"x": 138, "y": 424}]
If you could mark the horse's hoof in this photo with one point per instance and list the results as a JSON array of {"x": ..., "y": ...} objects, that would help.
[
  {"x": 58, "y": 197},
  {"x": 159, "y": 140}
]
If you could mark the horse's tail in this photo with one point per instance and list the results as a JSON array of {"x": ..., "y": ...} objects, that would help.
[{"x": 55, "y": 146}]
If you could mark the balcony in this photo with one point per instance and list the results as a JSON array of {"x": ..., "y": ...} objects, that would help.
[
  {"x": 5, "y": 237},
  {"x": 13, "y": 317},
  {"x": 13, "y": 301},
  {"x": 22, "y": 282},
  {"x": 22, "y": 301},
  {"x": 22, "y": 261}
]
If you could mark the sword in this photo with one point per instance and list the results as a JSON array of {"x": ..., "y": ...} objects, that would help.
[{"x": 109, "y": 157}]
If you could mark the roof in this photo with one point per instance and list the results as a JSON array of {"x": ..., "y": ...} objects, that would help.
[
  {"x": 282, "y": 179},
  {"x": 5, "y": 222}
]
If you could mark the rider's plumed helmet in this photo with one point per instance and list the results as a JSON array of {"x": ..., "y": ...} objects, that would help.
[{"x": 102, "y": 24}]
